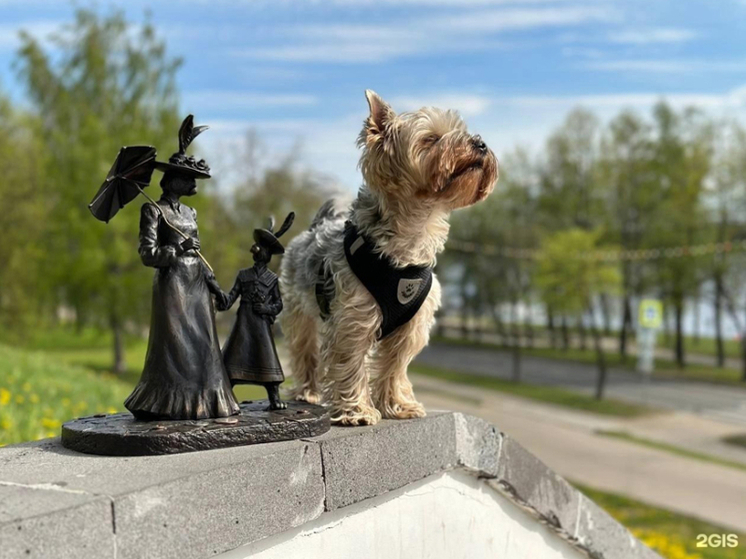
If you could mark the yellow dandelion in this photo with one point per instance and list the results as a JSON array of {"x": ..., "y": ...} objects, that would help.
[
  {"x": 20, "y": 399},
  {"x": 51, "y": 434},
  {"x": 112, "y": 410},
  {"x": 4, "y": 396},
  {"x": 5, "y": 424},
  {"x": 50, "y": 423},
  {"x": 66, "y": 402},
  {"x": 81, "y": 406},
  {"x": 33, "y": 398}
]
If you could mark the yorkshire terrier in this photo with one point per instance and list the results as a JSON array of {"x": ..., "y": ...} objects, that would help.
[{"x": 360, "y": 296}]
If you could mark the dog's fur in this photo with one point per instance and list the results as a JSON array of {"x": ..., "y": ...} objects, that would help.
[{"x": 417, "y": 167}]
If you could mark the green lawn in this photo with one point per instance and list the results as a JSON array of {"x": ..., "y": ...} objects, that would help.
[
  {"x": 663, "y": 368},
  {"x": 60, "y": 375},
  {"x": 39, "y": 392},
  {"x": 672, "y": 535},
  {"x": 548, "y": 394}
]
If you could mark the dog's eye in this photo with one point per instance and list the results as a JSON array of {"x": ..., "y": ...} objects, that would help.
[{"x": 430, "y": 140}]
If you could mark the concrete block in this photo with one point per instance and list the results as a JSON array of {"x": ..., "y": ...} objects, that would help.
[
  {"x": 39, "y": 522},
  {"x": 198, "y": 516},
  {"x": 360, "y": 463},
  {"x": 607, "y": 538},
  {"x": 526, "y": 477},
  {"x": 477, "y": 445}
]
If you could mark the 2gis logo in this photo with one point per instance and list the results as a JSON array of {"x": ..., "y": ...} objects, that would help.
[{"x": 717, "y": 540}]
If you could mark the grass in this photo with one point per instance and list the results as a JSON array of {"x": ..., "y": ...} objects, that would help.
[
  {"x": 672, "y": 449},
  {"x": 62, "y": 374},
  {"x": 38, "y": 393},
  {"x": 672, "y": 535},
  {"x": 663, "y": 368},
  {"x": 547, "y": 394}
]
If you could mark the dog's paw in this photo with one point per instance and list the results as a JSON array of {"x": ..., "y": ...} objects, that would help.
[
  {"x": 359, "y": 415},
  {"x": 306, "y": 395},
  {"x": 402, "y": 410}
]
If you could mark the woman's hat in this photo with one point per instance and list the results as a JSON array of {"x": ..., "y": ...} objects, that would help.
[
  {"x": 180, "y": 162},
  {"x": 269, "y": 240}
]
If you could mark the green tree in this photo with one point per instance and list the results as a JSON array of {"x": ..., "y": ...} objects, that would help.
[
  {"x": 22, "y": 221},
  {"x": 632, "y": 194},
  {"x": 569, "y": 280},
  {"x": 101, "y": 84},
  {"x": 681, "y": 164}
]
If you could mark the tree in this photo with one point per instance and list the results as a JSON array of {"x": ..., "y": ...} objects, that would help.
[
  {"x": 22, "y": 220},
  {"x": 681, "y": 163},
  {"x": 103, "y": 85},
  {"x": 631, "y": 193},
  {"x": 569, "y": 279},
  {"x": 570, "y": 194}
]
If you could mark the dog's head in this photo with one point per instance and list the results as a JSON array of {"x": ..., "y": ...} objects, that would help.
[{"x": 425, "y": 154}]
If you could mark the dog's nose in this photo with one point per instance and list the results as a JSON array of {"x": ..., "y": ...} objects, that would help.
[{"x": 479, "y": 144}]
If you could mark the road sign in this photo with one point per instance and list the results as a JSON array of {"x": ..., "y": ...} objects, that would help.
[{"x": 651, "y": 314}]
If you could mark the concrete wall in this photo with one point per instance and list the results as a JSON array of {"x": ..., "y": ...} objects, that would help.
[
  {"x": 400, "y": 488},
  {"x": 446, "y": 516}
]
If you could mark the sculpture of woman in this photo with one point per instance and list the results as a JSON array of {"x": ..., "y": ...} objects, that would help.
[
  {"x": 184, "y": 376},
  {"x": 250, "y": 355}
]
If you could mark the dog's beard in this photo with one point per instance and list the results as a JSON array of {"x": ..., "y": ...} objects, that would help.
[{"x": 472, "y": 181}]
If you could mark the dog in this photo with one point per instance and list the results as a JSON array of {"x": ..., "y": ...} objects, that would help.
[{"x": 360, "y": 296}]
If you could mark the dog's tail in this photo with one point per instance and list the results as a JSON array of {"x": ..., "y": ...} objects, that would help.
[{"x": 334, "y": 209}]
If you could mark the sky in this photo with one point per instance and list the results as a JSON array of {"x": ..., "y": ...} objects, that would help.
[{"x": 295, "y": 71}]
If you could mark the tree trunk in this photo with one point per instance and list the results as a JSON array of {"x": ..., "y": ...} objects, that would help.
[
  {"x": 119, "y": 366},
  {"x": 606, "y": 314},
  {"x": 528, "y": 327},
  {"x": 600, "y": 359},
  {"x": 581, "y": 331},
  {"x": 697, "y": 321},
  {"x": 743, "y": 356},
  {"x": 626, "y": 323},
  {"x": 720, "y": 360},
  {"x": 552, "y": 332},
  {"x": 565, "y": 334},
  {"x": 679, "y": 314}
]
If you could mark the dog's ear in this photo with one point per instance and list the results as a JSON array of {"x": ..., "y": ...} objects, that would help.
[{"x": 381, "y": 115}]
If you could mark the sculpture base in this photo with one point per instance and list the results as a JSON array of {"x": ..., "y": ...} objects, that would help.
[{"x": 121, "y": 435}]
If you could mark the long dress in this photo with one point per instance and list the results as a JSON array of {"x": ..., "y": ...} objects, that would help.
[
  {"x": 184, "y": 376},
  {"x": 250, "y": 355}
]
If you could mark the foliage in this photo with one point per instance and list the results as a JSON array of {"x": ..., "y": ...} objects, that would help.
[{"x": 672, "y": 535}]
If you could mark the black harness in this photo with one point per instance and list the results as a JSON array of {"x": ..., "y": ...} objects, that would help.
[{"x": 399, "y": 292}]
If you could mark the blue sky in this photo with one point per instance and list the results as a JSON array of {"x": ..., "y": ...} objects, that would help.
[{"x": 295, "y": 70}]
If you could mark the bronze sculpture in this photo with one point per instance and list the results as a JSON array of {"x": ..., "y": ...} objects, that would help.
[
  {"x": 184, "y": 376},
  {"x": 184, "y": 400},
  {"x": 250, "y": 355}
]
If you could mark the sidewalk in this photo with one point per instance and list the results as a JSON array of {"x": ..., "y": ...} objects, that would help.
[{"x": 567, "y": 441}]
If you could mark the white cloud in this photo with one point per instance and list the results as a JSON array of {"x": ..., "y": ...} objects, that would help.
[
  {"x": 680, "y": 66},
  {"x": 237, "y": 100},
  {"x": 467, "y": 105},
  {"x": 651, "y": 36},
  {"x": 469, "y": 30}
]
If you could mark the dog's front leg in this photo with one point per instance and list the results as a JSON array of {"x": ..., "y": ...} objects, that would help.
[
  {"x": 349, "y": 335},
  {"x": 392, "y": 391}
]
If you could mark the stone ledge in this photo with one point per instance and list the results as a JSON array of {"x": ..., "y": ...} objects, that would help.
[{"x": 193, "y": 506}]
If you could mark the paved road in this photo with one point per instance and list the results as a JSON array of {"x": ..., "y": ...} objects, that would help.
[
  {"x": 566, "y": 441},
  {"x": 720, "y": 402}
]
